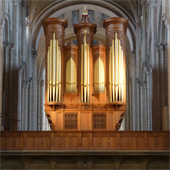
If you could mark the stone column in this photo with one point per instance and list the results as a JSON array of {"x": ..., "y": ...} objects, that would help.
[
  {"x": 6, "y": 78},
  {"x": 39, "y": 104},
  {"x": 23, "y": 109},
  {"x": 42, "y": 96},
  {"x": 166, "y": 18},
  {"x": 15, "y": 40},
  {"x": 168, "y": 43},
  {"x": 15, "y": 28},
  {"x": 19, "y": 119},
  {"x": 24, "y": 6},
  {"x": 11, "y": 84},
  {"x": 34, "y": 90},
  {"x": 30, "y": 117},
  {"x": 137, "y": 74},
  {"x": 26, "y": 120},
  {"x": 1, "y": 70},
  {"x": 134, "y": 115}
]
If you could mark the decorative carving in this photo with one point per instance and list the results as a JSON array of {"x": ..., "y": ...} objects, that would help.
[
  {"x": 57, "y": 26},
  {"x": 115, "y": 25}
]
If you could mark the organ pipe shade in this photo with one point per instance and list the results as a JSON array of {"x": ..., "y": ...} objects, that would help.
[
  {"x": 85, "y": 74},
  {"x": 99, "y": 78},
  {"x": 116, "y": 72},
  {"x": 71, "y": 76},
  {"x": 54, "y": 71}
]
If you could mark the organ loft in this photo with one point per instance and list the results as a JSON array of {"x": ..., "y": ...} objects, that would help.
[{"x": 85, "y": 82}]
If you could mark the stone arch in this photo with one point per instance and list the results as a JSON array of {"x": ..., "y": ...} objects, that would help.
[
  {"x": 39, "y": 163},
  {"x": 12, "y": 164},
  {"x": 158, "y": 163},
  {"x": 110, "y": 9},
  {"x": 66, "y": 163},
  {"x": 104, "y": 164},
  {"x": 131, "y": 163}
]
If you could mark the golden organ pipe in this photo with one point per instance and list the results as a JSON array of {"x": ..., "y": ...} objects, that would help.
[
  {"x": 113, "y": 71},
  {"x": 116, "y": 54},
  {"x": 50, "y": 69},
  {"x": 116, "y": 69},
  {"x": 110, "y": 74},
  {"x": 51, "y": 27},
  {"x": 48, "y": 75},
  {"x": 54, "y": 67},
  {"x": 56, "y": 70},
  {"x": 88, "y": 73},
  {"x": 119, "y": 69},
  {"x": 84, "y": 58},
  {"x": 59, "y": 66},
  {"x": 82, "y": 73}
]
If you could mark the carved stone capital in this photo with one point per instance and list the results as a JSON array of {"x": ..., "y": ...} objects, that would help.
[
  {"x": 20, "y": 69},
  {"x": 147, "y": 67},
  {"x": 2, "y": 24},
  {"x": 11, "y": 46},
  {"x": 16, "y": 2},
  {"x": 166, "y": 20},
  {"x": 133, "y": 52},
  {"x": 140, "y": 82},
  {"x": 42, "y": 82},
  {"x": 6, "y": 43},
  {"x": 35, "y": 53},
  {"x": 6, "y": 16}
]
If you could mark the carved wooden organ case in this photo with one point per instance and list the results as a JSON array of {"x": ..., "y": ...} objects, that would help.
[{"x": 85, "y": 84}]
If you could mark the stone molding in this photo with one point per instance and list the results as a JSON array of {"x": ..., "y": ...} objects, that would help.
[
  {"x": 2, "y": 23},
  {"x": 16, "y": 2},
  {"x": 35, "y": 53},
  {"x": 11, "y": 45},
  {"x": 166, "y": 20}
]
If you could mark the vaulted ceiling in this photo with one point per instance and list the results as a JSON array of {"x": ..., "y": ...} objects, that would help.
[{"x": 35, "y": 6}]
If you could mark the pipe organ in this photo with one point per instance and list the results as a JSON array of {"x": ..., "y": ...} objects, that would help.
[
  {"x": 85, "y": 83},
  {"x": 85, "y": 32},
  {"x": 115, "y": 31},
  {"x": 54, "y": 32}
]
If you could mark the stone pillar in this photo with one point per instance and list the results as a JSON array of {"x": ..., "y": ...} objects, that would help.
[
  {"x": 166, "y": 18},
  {"x": 15, "y": 28},
  {"x": 1, "y": 70},
  {"x": 137, "y": 74},
  {"x": 19, "y": 119},
  {"x": 26, "y": 120},
  {"x": 134, "y": 115},
  {"x": 11, "y": 84},
  {"x": 42, "y": 113},
  {"x": 6, "y": 78},
  {"x": 168, "y": 32},
  {"x": 39, "y": 114},
  {"x": 23, "y": 109},
  {"x": 15, "y": 40},
  {"x": 34, "y": 90},
  {"x": 30, "y": 105},
  {"x": 24, "y": 6}
]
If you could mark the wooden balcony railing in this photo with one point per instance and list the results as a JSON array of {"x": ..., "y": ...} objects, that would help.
[{"x": 84, "y": 140}]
